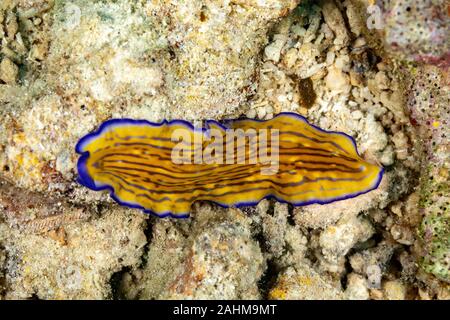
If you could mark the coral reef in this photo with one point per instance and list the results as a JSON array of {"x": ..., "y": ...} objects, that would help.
[
  {"x": 428, "y": 102},
  {"x": 303, "y": 283},
  {"x": 65, "y": 67},
  {"x": 212, "y": 257},
  {"x": 74, "y": 261}
]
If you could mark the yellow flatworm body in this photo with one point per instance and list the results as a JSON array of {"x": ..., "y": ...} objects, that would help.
[{"x": 164, "y": 167}]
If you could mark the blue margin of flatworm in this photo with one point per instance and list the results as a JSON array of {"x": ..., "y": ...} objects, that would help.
[{"x": 87, "y": 181}]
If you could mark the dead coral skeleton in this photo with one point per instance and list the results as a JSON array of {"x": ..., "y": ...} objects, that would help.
[{"x": 22, "y": 38}]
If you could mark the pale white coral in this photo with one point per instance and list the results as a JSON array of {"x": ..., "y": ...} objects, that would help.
[
  {"x": 394, "y": 290},
  {"x": 77, "y": 265},
  {"x": 102, "y": 53},
  {"x": 337, "y": 81}
]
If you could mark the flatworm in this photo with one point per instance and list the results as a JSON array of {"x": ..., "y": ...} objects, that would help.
[{"x": 284, "y": 158}]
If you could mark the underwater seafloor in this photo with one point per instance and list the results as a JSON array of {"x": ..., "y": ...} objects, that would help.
[{"x": 376, "y": 70}]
